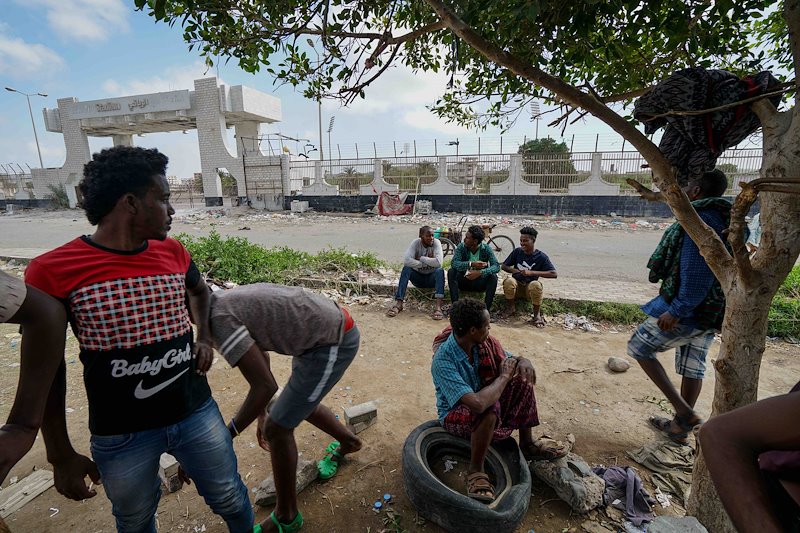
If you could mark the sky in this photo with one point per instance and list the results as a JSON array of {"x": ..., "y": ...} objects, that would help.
[{"x": 93, "y": 49}]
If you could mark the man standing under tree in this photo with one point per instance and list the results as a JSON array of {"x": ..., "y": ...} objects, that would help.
[
  {"x": 688, "y": 310},
  {"x": 125, "y": 288},
  {"x": 526, "y": 265}
]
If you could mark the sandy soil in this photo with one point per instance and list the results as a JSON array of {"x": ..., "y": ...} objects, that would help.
[{"x": 606, "y": 412}]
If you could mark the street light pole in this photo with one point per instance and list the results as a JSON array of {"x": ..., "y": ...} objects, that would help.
[
  {"x": 30, "y": 111},
  {"x": 319, "y": 104}
]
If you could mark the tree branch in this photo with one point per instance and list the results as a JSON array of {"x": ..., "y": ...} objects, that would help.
[
  {"x": 710, "y": 245},
  {"x": 792, "y": 16},
  {"x": 741, "y": 256}
]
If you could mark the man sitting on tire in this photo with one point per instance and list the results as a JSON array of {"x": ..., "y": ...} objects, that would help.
[{"x": 483, "y": 394}]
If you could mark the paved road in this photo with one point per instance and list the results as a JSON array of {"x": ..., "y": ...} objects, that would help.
[{"x": 603, "y": 264}]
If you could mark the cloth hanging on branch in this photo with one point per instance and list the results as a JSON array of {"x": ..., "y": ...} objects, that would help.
[{"x": 692, "y": 143}]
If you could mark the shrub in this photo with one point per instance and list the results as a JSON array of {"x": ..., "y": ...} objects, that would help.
[{"x": 238, "y": 260}]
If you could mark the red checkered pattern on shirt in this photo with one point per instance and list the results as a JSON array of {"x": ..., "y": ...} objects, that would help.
[{"x": 130, "y": 312}]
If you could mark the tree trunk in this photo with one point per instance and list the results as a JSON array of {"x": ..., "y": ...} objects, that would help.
[
  {"x": 748, "y": 298},
  {"x": 737, "y": 370}
]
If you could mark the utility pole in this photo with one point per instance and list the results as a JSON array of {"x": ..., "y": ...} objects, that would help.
[
  {"x": 319, "y": 102},
  {"x": 33, "y": 123}
]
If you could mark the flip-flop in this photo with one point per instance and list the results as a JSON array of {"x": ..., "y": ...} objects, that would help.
[
  {"x": 327, "y": 466},
  {"x": 664, "y": 425},
  {"x": 437, "y": 315},
  {"x": 393, "y": 312},
  {"x": 291, "y": 527}
]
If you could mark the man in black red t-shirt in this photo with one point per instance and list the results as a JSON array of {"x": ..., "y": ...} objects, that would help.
[
  {"x": 526, "y": 265},
  {"x": 124, "y": 288}
]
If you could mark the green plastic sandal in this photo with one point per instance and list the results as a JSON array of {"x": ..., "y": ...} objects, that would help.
[
  {"x": 291, "y": 527},
  {"x": 327, "y": 467}
]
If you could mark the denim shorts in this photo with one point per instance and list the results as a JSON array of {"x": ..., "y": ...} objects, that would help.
[
  {"x": 201, "y": 442},
  {"x": 691, "y": 346},
  {"x": 314, "y": 373}
]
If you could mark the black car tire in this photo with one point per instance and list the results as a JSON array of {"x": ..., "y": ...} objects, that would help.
[{"x": 452, "y": 510}]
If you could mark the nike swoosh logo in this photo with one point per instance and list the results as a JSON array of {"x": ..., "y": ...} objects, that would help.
[{"x": 141, "y": 393}]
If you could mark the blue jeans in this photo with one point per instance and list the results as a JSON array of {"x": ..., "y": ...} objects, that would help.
[
  {"x": 434, "y": 280},
  {"x": 201, "y": 442}
]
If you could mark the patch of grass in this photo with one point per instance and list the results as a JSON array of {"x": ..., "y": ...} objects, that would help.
[
  {"x": 238, "y": 260},
  {"x": 616, "y": 313},
  {"x": 784, "y": 313}
]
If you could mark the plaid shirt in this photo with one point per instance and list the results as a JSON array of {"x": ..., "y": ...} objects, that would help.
[{"x": 453, "y": 375}]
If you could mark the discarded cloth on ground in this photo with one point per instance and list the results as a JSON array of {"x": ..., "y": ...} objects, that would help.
[
  {"x": 624, "y": 490},
  {"x": 671, "y": 464}
]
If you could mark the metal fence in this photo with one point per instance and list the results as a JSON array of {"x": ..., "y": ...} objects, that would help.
[{"x": 476, "y": 173}]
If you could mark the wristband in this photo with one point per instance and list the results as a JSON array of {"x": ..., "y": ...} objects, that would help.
[{"x": 233, "y": 427}]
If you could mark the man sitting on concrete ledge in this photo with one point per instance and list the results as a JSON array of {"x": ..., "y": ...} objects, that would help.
[
  {"x": 422, "y": 266},
  {"x": 474, "y": 267},
  {"x": 483, "y": 393},
  {"x": 526, "y": 265},
  {"x": 323, "y": 339}
]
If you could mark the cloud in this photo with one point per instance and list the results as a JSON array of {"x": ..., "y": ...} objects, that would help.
[
  {"x": 423, "y": 119},
  {"x": 399, "y": 88},
  {"x": 172, "y": 79},
  {"x": 85, "y": 20},
  {"x": 21, "y": 59}
]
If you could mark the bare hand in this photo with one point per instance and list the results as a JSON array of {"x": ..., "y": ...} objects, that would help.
[
  {"x": 262, "y": 442},
  {"x": 526, "y": 371},
  {"x": 15, "y": 442},
  {"x": 183, "y": 476},
  {"x": 472, "y": 274},
  {"x": 643, "y": 191},
  {"x": 204, "y": 355},
  {"x": 70, "y": 477},
  {"x": 667, "y": 322},
  {"x": 508, "y": 367}
]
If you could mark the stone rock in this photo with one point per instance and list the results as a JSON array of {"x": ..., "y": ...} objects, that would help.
[
  {"x": 168, "y": 472},
  {"x": 676, "y": 524},
  {"x": 306, "y": 473},
  {"x": 618, "y": 364},
  {"x": 594, "y": 527},
  {"x": 572, "y": 480}
]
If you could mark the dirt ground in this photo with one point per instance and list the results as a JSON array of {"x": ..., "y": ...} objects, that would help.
[{"x": 606, "y": 412}]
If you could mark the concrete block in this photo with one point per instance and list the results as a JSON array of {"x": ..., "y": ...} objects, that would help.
[
  {"x": 358, "y": 427},
  {"x": 168, "y": 472},
  {"x": 306, "y": 473},
  {"x": 362, "y": 413}
]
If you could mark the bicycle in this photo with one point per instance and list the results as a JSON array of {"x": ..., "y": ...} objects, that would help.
[{"x": 502, "y": 245}]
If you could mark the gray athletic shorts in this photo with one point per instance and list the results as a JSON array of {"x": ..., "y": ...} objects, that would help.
[
  {"x": 12, "y": 294},
  {"x": 314, "y": 373}
]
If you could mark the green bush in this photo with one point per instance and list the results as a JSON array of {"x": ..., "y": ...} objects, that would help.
[
  {"x": 238, "y": 260},
  {"x": 58, "y": 196}
]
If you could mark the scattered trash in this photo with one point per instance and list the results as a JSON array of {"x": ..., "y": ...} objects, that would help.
[
  {"x": 662, "y": 498},
  {"x": 377, "y": 505},
  {"x": 571, "y": 322},
  {"x": 53, "y": 511},
  {"x": 449, "y": 464}
]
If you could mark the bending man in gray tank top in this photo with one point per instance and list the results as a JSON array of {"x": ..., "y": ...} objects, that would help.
[{"x": 251, "y": 320}]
